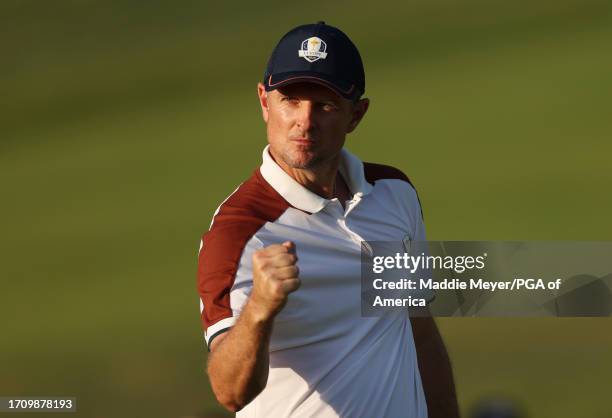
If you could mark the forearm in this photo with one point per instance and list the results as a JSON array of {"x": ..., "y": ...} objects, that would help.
[
  {"x": 238, "y": 365},
  {"x": 435, "y": 369}
]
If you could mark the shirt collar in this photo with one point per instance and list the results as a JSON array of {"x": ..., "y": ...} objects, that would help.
[{"x": 300, "y": 197}]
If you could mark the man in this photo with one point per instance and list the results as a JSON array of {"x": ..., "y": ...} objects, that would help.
[{"x": 279, "y": 269}]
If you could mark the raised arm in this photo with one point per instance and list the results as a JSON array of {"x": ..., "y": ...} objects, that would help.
[{"x": 239, "y": 360}]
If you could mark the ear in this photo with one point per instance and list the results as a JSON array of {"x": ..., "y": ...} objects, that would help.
[
  {"x": 263, "y": 101},
  {"x": 359, "y": 110}
]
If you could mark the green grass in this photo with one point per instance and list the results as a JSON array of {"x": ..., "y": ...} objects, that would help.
[{"x": 123, "y": 127}]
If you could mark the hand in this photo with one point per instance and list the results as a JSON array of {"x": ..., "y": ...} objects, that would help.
[{"x": 275, "y": 275}]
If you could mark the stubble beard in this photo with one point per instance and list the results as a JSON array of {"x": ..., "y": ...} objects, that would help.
[{"x": 303, "y": 160}]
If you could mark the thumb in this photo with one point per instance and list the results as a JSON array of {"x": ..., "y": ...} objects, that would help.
[{"x": 289, "y": 245}]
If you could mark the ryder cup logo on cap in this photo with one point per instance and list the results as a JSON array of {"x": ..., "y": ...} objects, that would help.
[{"x": 313, "y": 49}]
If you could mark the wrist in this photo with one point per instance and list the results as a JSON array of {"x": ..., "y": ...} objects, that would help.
[{"x": 257, "y": 312}]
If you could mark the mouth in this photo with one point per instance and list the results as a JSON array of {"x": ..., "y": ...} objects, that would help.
[{"x": 303, "y": 141}]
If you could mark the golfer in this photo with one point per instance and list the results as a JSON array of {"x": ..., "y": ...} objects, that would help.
[{"x": 279, "y": 269}]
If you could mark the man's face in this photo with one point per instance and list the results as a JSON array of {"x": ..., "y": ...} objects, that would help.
[{"x": 307, "y": 123}]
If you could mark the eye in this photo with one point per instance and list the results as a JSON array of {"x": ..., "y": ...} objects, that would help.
[
  {"x": 329, "y": 106},
  {"x": 290, "y": 99}
]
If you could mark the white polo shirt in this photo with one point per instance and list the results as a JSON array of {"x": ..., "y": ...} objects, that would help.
[{"x": 326, "y": 360}]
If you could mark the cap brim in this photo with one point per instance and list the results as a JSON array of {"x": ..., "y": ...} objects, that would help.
[{"x": 343, "y": 88}]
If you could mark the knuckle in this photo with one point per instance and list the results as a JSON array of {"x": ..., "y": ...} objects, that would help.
[
  {"x": 287, "y": 272},
  {"x": 288, "y": 259}
]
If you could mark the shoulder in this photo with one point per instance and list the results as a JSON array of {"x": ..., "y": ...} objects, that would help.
[
  {"x": 252, "y": 204},
  {"x": 374, "y": 172},
  {"x": 240, "y": 216},
  {"x": 379, "y": 172}
]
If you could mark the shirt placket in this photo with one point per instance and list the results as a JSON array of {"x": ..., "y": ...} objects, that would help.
[{"x": 341, "y": 216}]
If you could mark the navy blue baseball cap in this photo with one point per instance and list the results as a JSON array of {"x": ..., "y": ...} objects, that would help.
[{"x": 317, "y": 53}]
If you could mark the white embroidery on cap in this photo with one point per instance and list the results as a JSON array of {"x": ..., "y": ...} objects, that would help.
[{"x": 313, "y": 49}]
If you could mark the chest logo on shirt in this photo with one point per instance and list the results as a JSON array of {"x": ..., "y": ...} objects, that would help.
[{"x": 313, "y": 49}]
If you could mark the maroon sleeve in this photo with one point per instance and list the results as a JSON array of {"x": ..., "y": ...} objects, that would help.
[{"x": 253, "y": 204}]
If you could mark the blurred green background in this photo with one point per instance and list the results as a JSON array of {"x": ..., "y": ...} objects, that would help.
[{"x": 123, "y": 124}]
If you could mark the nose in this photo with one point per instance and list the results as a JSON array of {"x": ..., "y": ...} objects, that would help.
[{"x": 305, "y": 118}]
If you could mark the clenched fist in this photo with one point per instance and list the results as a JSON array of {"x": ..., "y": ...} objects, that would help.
[{"x": 275, "y": 275}]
